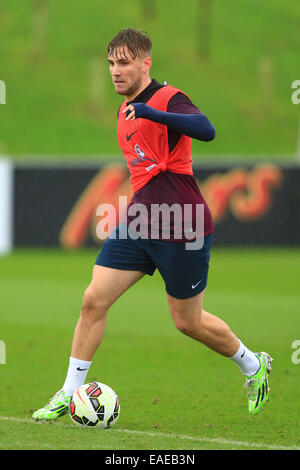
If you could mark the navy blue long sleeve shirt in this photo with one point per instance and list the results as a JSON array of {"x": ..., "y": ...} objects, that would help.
[{"x": 196, "y": 126}]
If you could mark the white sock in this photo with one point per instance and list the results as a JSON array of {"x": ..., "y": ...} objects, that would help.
[
  {"x": 76, "y": 375},
  {"x": 246, "y": 360}
]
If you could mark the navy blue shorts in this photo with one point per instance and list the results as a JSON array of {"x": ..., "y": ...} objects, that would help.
[{"x": 183, "y": 271}]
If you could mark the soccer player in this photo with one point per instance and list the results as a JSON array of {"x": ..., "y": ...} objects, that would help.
[{"x": 156, "y": 124}]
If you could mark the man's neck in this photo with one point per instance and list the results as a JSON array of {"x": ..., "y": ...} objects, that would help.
[{"x": 141, "y": 88}]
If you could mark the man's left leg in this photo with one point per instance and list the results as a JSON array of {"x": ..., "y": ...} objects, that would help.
[{"x": 192, "y": 320}]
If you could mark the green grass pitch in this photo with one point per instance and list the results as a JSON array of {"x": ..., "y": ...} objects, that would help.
[{"x": 174, "y": 393}]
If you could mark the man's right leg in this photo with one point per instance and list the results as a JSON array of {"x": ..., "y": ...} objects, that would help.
[{"x": 106, "y": 287}]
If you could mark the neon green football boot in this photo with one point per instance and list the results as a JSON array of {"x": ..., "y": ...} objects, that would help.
[
  {"x": 258, "y": 384},
  {"x": 57, "y": 406}
]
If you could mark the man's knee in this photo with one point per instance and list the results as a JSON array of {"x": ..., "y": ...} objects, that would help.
[
  {"x": 94, "y": 304},
  {"x": 183, "y": 325},
  {"x": 187, "y": 320}
]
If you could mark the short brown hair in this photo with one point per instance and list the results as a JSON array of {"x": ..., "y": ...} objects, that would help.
[{"x": 137, "y": 42}]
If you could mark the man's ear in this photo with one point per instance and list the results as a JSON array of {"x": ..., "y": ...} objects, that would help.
[{"x": 147, "y": 63}]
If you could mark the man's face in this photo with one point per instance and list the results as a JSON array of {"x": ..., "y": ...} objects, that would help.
[{"x": 128, "y": 74}]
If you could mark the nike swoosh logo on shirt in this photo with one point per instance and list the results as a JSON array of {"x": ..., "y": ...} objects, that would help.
[
  {"x": 195, "y": 285},
  {"x": 128, "y": 137}
]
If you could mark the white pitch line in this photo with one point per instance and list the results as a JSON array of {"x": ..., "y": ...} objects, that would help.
[
  {"x": 217, "y": 440},
  {"x": 213, "y": 440}
]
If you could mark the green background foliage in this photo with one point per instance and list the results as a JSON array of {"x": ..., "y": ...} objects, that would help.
[{"x": 236, "y": 61}]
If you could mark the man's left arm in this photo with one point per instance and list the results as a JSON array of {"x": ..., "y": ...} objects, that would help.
[{"x": 196, "y": 126}]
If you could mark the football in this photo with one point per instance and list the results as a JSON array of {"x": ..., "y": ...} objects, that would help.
[{"x": 94, "y": 405}]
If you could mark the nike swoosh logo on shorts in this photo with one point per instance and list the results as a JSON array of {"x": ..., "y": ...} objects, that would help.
[{"x": 195, "y": 285}]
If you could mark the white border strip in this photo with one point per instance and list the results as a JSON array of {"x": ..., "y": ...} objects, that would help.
[
  {"x": 6, "y": 206},
  {"x": 217, "y": 440}
]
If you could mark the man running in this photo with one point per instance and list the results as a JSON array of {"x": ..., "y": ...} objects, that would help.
[{"x": 156, "y": 125}]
